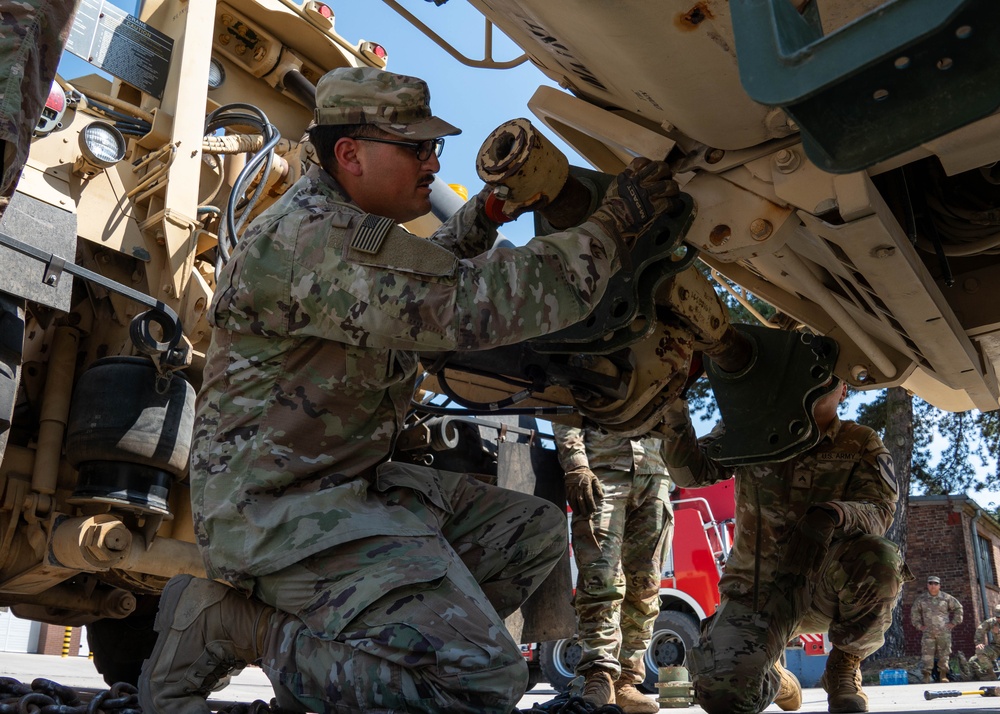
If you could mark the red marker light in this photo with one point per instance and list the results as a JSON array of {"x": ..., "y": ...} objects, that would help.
[
  {"x": 57, "y": 99},
  {"x": 324, "y": 10}
]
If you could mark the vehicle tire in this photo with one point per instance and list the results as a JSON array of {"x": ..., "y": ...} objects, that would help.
[
  {"x": 674, "y": 634},
  {"x": 120, "y": 646},
  {"x": 557, "y": 660},
  {"x": 534, "y": 676}
]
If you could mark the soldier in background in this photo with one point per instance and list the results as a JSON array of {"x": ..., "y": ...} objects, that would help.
[
  {"x": 33, "y": 34},
  {"x": 808, "y": 556},
  {"x": 935, "y": 614},
  {"x": 987, "y": 639},
  {"x": 622, "y": 524},
  {"x": 360, "y": 583}
]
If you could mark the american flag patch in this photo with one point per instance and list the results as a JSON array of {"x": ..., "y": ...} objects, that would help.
[{"x": 369, "y": 235}]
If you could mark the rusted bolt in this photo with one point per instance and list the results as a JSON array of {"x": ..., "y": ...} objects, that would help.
[
  {"x": 761, "y": 229},
  {"x": 719, "y": 235},
  {"x": 224, "y": 38},
  {"x": 786, "y": 161},
  {"x": 714, "y": 156},
  {"x": 241, "y": 49},
  {"x": 883, "y": 251}
]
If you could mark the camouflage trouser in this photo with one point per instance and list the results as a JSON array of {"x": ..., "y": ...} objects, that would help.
[
  {"x": 32, "y": 36},
  {"x": 431, "y": 637},
  {"x": 618, "y": 583},
  {"x": 935, "y": 644},
  {"x": 982, "y": 662},
  {"x": 851, "y": 597}
]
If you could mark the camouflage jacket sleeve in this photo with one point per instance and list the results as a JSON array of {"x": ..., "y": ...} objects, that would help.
[
  {"x": 917, "y": 612},
  {"x": 686, "y": 456},
  {"x": 360, "y": 280},
  {"x": 571, "y": 447},
  {"x": 32, "y": 37},
  {"x": 869, "y": 503},
  {"x": 956, "y": 610},
  {"x": 469, "y": 232},
  {"x": 984, "y": 627}
]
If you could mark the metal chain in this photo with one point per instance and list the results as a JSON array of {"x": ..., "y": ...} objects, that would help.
[
  {"x": 44, "y": 696},
  {"x": 565, "y": 704}
]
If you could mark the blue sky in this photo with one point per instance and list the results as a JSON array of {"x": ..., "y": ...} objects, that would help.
[{"x": 475, "y": 100}]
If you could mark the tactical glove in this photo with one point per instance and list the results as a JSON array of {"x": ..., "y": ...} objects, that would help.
[
  {"x": 583, "y": 490},
  {"x": 810, "y": 540},
  {"x": 638, "y": 194},
  {"x": 676, "y": 416}
]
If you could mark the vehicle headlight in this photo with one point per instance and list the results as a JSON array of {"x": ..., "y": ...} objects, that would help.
[
  {"x": 102, "y": 145},
  {"x": 216, "y": 74}
]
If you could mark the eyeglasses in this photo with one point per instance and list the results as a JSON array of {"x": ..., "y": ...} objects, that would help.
[{"x": 423, "y": 149}]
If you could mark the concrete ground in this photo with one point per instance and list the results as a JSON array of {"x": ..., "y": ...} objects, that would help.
[{"x": 79, "y": 672}]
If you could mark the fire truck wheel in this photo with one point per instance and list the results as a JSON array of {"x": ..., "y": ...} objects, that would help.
[
  {"x": 674, "y": 634},
  {"x": 557, "y": 660}
]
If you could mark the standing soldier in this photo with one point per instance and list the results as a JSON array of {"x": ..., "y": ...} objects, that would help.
[
  {"x": 616, "y": 486},
  {"x": 935, "y": 614},
  {"x": 987, "y": 651},
  {"x": 809, "y": 556}
]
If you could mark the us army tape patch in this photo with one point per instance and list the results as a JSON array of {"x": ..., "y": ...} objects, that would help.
[
  {"x": 371, "y": 233},
  {"x": 886, "y": 470}
]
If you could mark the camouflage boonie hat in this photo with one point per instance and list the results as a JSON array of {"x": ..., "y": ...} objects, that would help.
[
  {"x": 397, "y": 104},
  {"x": 934, "y": 579}
]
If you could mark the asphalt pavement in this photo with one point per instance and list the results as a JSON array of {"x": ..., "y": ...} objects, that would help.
[{"x": 251, "y": 684}]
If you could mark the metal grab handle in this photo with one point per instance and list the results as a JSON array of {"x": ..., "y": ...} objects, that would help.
[{"x": 158, "y": 312}]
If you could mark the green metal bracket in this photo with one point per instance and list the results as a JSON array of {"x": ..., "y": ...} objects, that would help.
[
  {"x": 767, "y": 407},
  {"x": 905, "y": 73}
]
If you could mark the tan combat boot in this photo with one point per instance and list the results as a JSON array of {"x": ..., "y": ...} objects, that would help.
[
  {"x": 632, "y": 701},
  {"x": 206, "y": 630},
  {"x": 789, "y": 697},
  {"x": 842, "y": 682},
  {"x": 599, "y": 688},
  {"x": 927, "y": 677}
]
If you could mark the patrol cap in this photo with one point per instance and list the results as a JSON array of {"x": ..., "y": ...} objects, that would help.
[
  {"x": 934, "y": 579},
  {"x": 397, "y": 104}
]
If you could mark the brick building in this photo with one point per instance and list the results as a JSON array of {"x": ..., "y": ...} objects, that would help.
[{"x": 953, "y": 538}]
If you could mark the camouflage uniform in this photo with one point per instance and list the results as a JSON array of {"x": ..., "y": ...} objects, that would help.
[
  {"x": 395, "y": 578},
  {"x": 932, "y": 615},
  {"x": 982, "y": 662},
  {"x": 618, "y": 582},
  {"x": 32, "y": 36},
  {"x": 850, "y": 595}
]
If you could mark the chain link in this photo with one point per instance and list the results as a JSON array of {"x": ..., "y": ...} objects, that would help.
[{"x": 44, "y": 696}]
